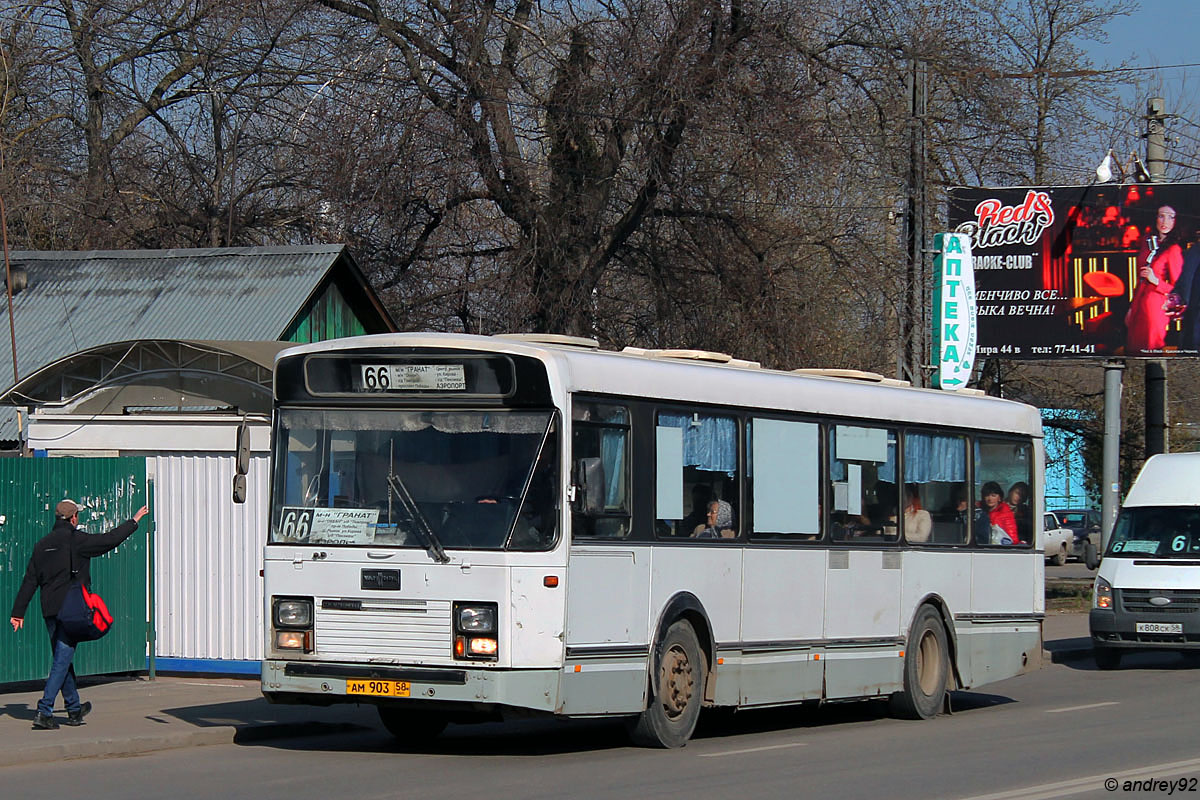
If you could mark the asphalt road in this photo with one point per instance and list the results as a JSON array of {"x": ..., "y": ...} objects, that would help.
[
  {"x": 1072, "y": 570},
  {"x": 1058, "y": 732}
]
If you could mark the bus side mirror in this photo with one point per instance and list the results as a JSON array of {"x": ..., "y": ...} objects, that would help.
[
  {"x": 239, "y": 489},
  {"x": 243, "y": 448},
  {"x": 242, "y": 459},
  {"x": 589, "y": 478}
]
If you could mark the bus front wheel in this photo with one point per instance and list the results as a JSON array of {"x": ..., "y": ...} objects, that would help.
[
  {"x": 677, "y": 693},
  {"x": 926, "y": 667},
  {"x": 411, "y": 727}
]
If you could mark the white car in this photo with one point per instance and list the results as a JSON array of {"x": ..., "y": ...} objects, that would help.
[{"x": 1058, "y": 540}]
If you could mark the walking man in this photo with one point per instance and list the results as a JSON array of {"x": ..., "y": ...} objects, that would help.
[{"x": 50, "y": 567}]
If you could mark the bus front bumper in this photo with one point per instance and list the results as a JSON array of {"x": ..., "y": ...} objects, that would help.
[{"x": 326, "y": 683}]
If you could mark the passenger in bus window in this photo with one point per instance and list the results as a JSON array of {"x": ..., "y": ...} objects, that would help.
[
  {"x": 702, "y": 495},
  {"x": 917, "y": 522},
  {"x": 961, "y": 512},
  {"x": 1002, "y": 525},
  {"x": 719, "y": 522},
  {"x": 1018, "y": 500}
]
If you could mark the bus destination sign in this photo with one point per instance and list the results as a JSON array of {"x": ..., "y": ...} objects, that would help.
[{"x": 413, "y": 378}]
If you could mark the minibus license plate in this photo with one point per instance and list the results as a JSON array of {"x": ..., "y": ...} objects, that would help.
[
  {"x": 378, "y": 688},
  {"x": 1160, "y": 627}
]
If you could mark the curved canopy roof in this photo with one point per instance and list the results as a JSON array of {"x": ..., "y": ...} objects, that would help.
[{"x": 155, "y": 376}]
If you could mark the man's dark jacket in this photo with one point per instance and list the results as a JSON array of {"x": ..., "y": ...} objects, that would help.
[{"x": 50, "y": 565}]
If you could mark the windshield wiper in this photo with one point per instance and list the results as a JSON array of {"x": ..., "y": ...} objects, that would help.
[{"x": 428, "y": 537}]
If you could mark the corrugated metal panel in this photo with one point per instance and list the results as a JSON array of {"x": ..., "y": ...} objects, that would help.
[
  {"x": 79, "y": 300},
  {"x": 208, "y": 595},
  {"x": 329, "y": 317},
  {"x": 112, "y": 489}
]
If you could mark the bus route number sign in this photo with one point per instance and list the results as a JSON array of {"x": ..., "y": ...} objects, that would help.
[{"x": 413, "y": 378}]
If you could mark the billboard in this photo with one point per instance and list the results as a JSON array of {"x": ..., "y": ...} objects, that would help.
[{"x": 1098, "y": 271}]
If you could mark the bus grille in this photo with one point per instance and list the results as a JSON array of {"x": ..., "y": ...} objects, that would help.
[
  {"x": 403, "y": 631},
  {"x": 1183, "y": 601}
]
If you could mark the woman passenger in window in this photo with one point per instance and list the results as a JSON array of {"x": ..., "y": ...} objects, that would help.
[
  {"x": 917, "y": 522},
  {"x": 719, "y": 522},
  {"x": 1000, "y": 516}
]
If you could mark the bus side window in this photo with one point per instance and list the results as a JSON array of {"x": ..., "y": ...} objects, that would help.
[
  {"x": 783, "y": 478},
  {"x": 864, "y": 492},
  {"x": 935, "y": 475},
  {"x": 600, "y": 470},
  {"x": 697, "y": 489},
  {"x": 1000, "y": 466}
]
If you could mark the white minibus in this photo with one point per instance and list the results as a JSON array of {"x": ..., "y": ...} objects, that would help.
[{"x": 1147, "y": 590}]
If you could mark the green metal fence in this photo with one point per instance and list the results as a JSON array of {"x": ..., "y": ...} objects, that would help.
[{"x": 111, "y": 489}]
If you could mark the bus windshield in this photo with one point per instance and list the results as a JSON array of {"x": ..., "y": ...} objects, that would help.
[
  {"x": 477, "y": 480},
  {"x": 1156, "y": 532}
]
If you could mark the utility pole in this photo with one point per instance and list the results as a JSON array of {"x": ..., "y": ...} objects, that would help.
[
  {"x": 1156, "y": 369},
  {"x": 914, "y": 325},
  {"x": 1110, "y": 491}
]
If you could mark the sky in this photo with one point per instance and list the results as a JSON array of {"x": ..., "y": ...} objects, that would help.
[{"x": 1160, "y": 34}]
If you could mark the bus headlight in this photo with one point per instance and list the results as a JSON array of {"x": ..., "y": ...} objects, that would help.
[
  {"x": 475, "y": 632},
  {"x": 475, "y": 618},
  {"x": 292, "y": 618},
  {"x": 292, "y": 612},
  {"x": 1102, "y": 595}
]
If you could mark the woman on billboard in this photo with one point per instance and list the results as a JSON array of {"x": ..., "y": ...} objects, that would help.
[{"x": 1160, "y": 260}]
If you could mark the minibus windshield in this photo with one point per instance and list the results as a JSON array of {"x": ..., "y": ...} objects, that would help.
[{"x": 1156, "y": 532}]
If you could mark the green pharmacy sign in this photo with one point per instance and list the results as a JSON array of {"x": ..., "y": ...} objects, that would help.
[{"x": 954, "y": 330}]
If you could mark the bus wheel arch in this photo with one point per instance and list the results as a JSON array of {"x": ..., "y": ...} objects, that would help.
[
  {"x": 686, "y": 606},
  {"x": 943, "y": 608},
  {"x": 927, "y": 666},
  {"x": 680, "y": 675}
]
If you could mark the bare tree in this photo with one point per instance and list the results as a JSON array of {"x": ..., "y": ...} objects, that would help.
[{"x": 581, "y": 127}]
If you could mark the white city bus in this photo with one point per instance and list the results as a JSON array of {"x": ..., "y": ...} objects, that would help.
[{"x": 467, "y": 528}]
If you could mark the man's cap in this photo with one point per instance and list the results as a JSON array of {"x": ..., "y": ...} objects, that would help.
[{"x": 66, "y": 509}]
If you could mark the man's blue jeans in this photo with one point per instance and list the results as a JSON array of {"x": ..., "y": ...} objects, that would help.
[{"x": 62, "y": 673}]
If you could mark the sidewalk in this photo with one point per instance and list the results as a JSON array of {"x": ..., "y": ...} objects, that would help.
[{"x": 136, "y": 715}]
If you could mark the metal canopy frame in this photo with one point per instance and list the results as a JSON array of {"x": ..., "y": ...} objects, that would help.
[{"x": 189, "y": 371}]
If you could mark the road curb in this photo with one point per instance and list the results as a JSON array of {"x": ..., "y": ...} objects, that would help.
[{"x": 112, "y": 746}]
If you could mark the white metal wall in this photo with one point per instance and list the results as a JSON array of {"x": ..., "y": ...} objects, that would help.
[{"x": 208, "y": 551}]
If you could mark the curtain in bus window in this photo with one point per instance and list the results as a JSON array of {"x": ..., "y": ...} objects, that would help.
[
  {"x": 612, "y": 458},
  {"x": 709, "y": 443},
  {"x": 933, "y": 458}
]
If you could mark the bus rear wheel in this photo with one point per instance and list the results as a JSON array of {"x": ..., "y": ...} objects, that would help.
[
  {"x": 677, "y": 693},
  {"x": 926, "y": 667},
  {"x": 411, "y": 727}
]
